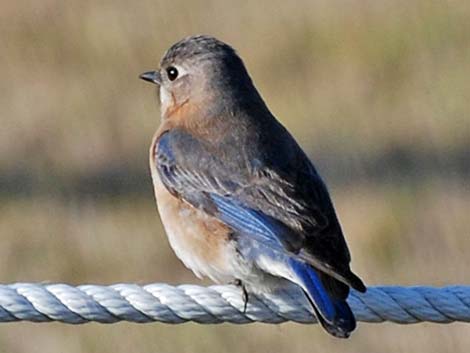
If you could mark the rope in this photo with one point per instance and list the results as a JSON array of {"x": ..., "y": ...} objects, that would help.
[{"x": 216, "y": 304}]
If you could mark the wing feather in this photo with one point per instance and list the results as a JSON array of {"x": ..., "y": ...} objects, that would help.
[{"x": 289, "y": 212}]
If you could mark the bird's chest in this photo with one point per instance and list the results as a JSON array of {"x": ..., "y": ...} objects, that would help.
[{"x": 200, "y": 241}]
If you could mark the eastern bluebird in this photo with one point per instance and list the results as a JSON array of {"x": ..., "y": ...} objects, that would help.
[{"x": 239, "y": 199}]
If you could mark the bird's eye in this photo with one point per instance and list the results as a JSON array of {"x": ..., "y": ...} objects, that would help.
[{"x": 172, "y": 73}]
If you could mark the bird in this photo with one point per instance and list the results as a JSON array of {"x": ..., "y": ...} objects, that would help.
[{"x": 239, "y": 199}]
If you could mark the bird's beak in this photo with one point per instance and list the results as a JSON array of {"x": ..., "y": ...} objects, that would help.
[{"x": 152, "y": 76}]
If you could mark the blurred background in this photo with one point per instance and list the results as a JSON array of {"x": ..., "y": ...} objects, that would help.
[{"x": 377, "y": 92}]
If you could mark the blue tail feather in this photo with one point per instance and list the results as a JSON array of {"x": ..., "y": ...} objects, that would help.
[
  {"x": 334, "y": 314},
  {"x": 312, "y": 285}
]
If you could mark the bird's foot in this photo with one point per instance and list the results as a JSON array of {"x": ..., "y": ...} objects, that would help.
[{"x": 245, "y": 295}]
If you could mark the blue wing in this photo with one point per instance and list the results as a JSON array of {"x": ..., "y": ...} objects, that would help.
[
  {"x": 334, "y": 314},
  {"x": 261, "y": 210},
  {"x": 289, "y": 200}
]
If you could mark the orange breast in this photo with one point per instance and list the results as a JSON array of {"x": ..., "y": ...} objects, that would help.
[{"x": 201, "y": 241}]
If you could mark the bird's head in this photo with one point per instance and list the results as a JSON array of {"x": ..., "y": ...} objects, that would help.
[{"x": 201, "y": 71}]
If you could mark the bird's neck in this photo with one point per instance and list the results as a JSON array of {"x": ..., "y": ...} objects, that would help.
[{"x": 215, "y": 115}]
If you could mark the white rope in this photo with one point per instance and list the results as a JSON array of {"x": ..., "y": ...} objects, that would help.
[{"x": 216, "y": 304}]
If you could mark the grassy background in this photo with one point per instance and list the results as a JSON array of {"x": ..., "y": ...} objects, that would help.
[{"x": 377, "y": 92}]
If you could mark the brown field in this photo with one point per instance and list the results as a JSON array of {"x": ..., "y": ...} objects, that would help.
[{"x": 377, "y": 92}]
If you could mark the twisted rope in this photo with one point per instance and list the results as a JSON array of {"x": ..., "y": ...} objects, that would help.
[{"x": 216, "y": 304}]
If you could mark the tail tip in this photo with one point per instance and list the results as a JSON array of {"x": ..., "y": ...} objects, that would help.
[{"x": 342, "y": 328}]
